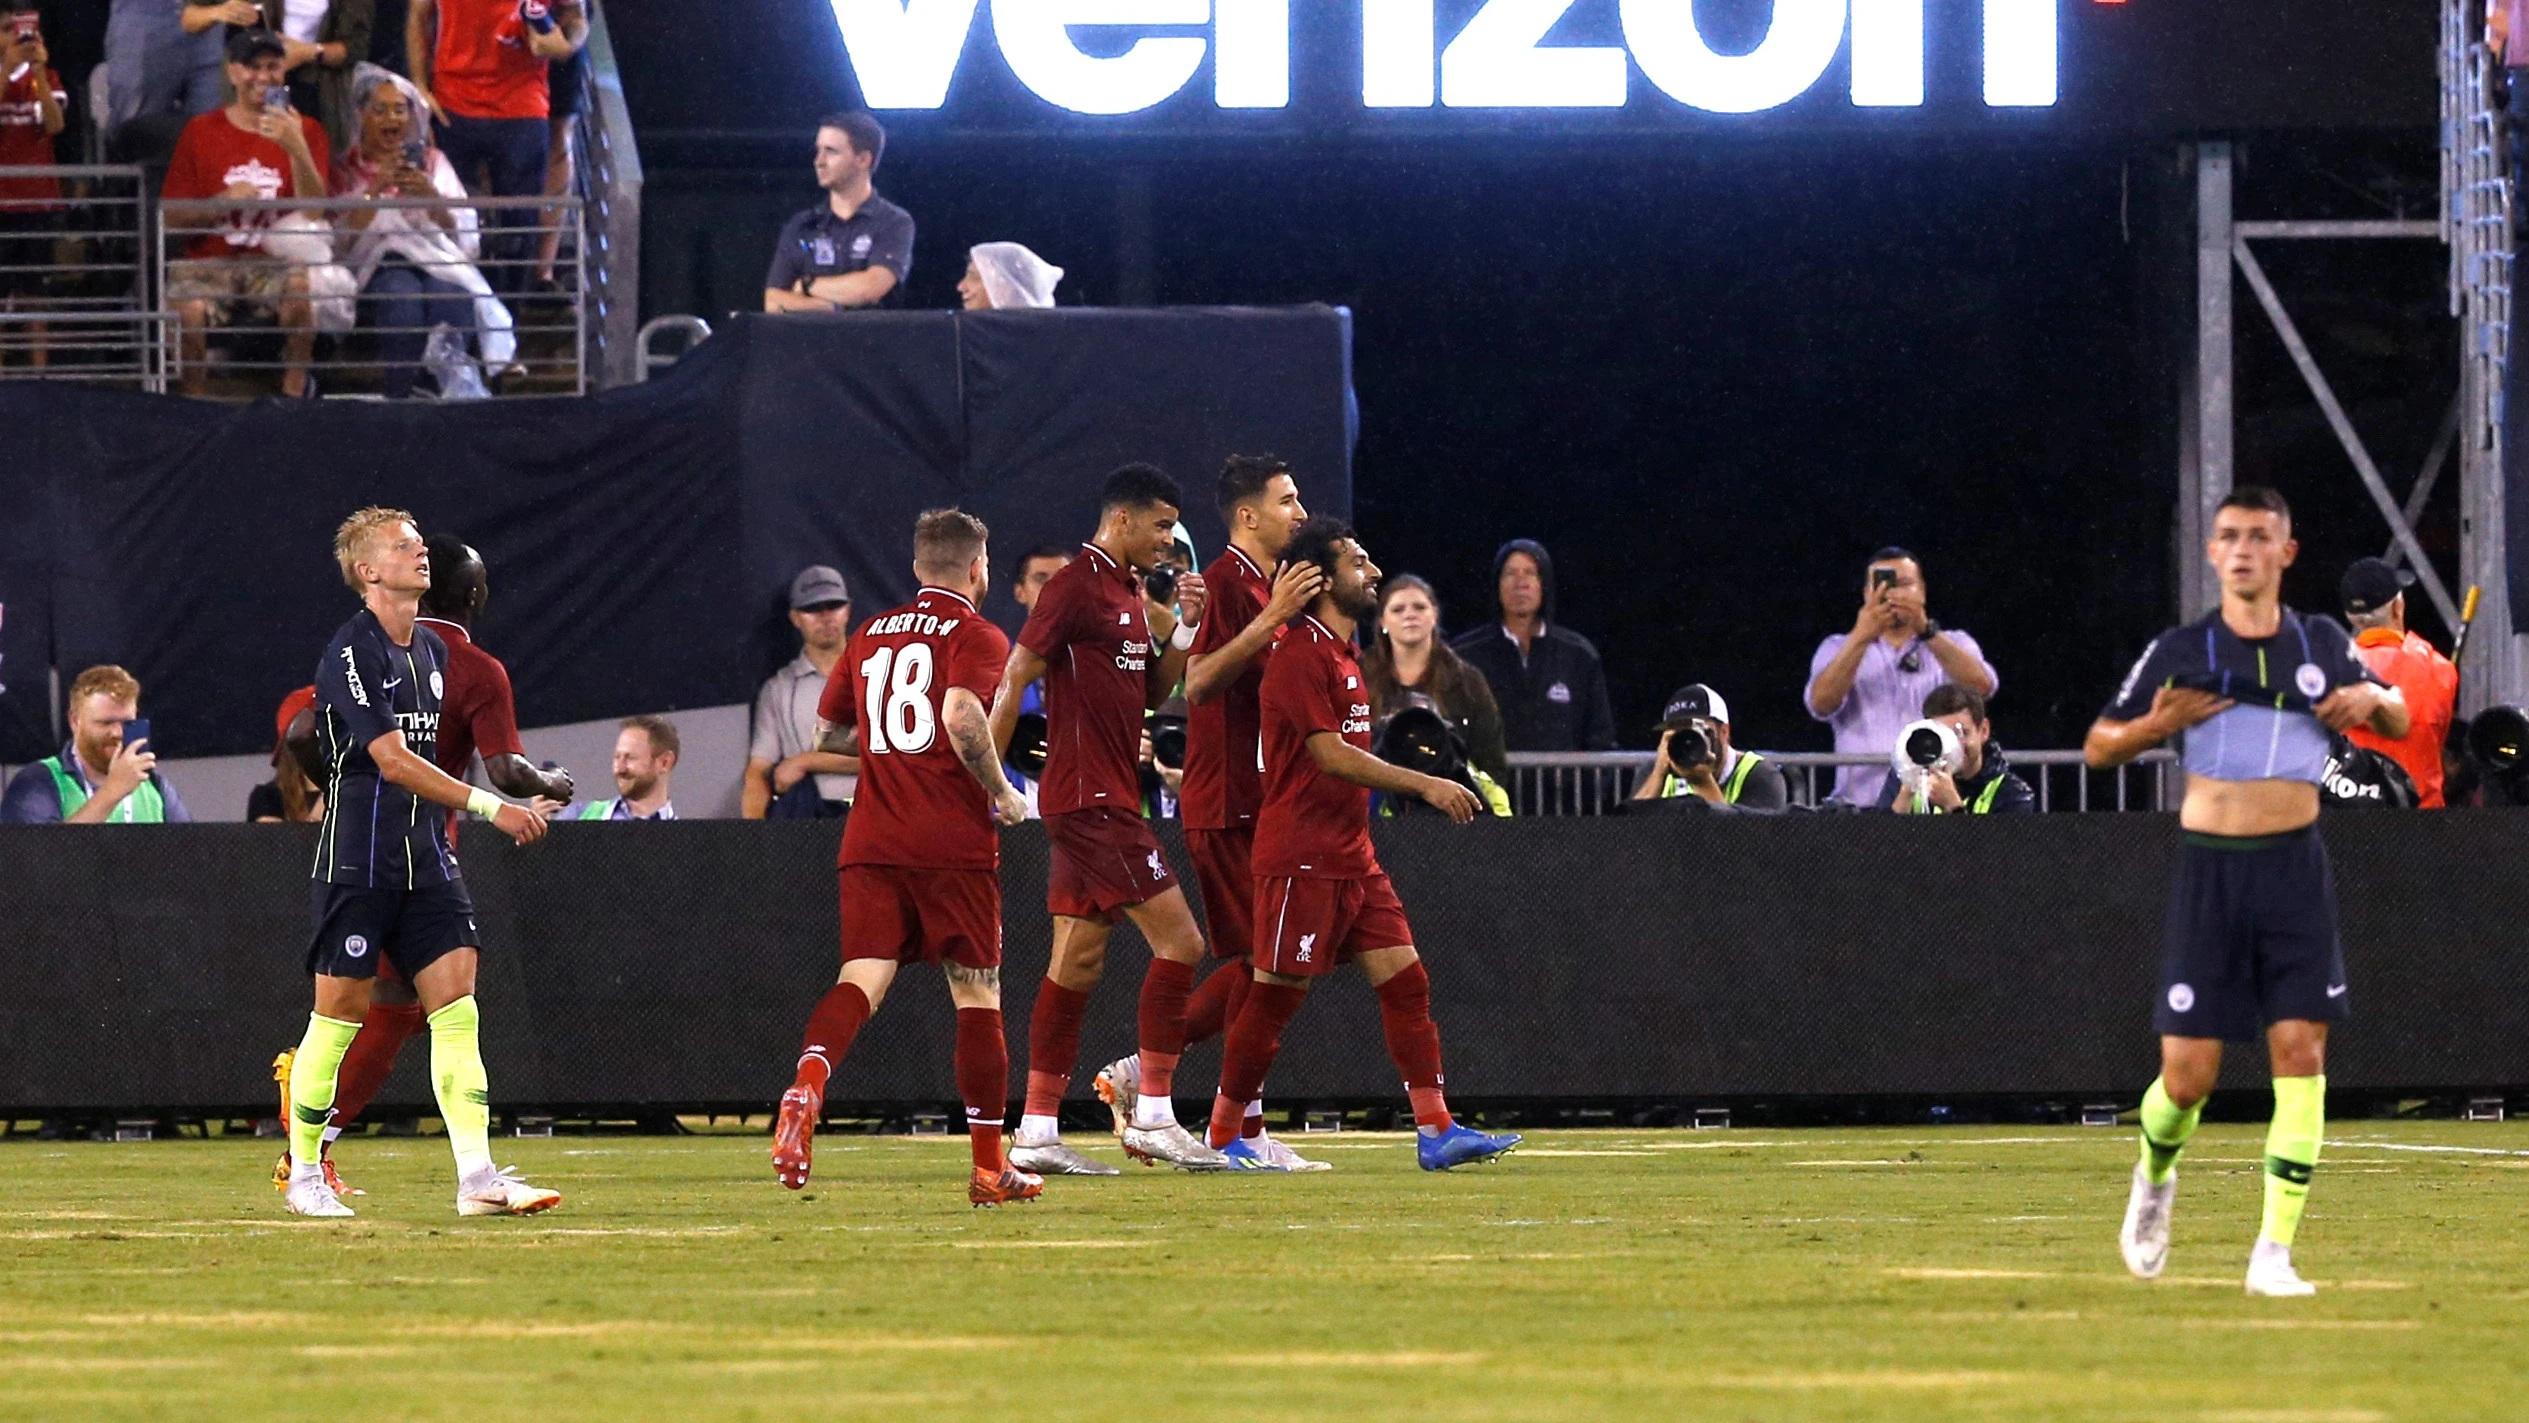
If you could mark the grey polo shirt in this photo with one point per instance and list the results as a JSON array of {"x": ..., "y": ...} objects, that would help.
[{"x": 786, "y": 722}]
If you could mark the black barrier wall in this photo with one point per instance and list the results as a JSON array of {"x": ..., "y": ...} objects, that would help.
[{"x": 160, "y": 967}]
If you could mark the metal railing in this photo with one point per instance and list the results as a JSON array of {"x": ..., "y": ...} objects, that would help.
[
  {"x": 73, "y": 305},
  {"x": 313, "y": 250},
  {"x": 610, "y": 185},
  {"x": 694, "y": 329},
  {"x": 1594, "y": 782}
]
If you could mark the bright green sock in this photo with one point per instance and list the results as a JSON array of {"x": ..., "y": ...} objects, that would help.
[
  {"x": 2300, "y": 1120},
  {"x": 2166, "y": 1128},
  {"x": 465, "y": 1093},
  {"x": 312, "y": 1074}
]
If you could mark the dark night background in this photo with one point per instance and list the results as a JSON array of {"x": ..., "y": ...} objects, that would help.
[{"x": 1712, "y": 364}]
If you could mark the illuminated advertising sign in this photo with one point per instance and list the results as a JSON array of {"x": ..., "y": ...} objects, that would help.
[{"x": 1105, "y": 58}]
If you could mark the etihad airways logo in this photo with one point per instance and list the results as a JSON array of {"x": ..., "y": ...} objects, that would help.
[{"x": 906, "y": 53}]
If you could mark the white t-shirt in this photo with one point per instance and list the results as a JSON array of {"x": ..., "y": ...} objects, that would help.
[{"x": 300, "y": 19}]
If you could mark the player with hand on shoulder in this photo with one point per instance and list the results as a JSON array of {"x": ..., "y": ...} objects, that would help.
[
  {"x": 1321, "y": 898},
  {"x": 2253, "y": 692},
  {"x": 919, "y": 867},
  {"x": 386, "y": 885}
]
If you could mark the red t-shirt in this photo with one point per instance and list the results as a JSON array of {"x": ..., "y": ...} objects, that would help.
[
  {"x": 1313, "y": 825},
  {"x": 481, "y": 67},
  {"x": 1089, "y": 627},
  {"x": 918, "y": 805},
  {"x": 1224, "y": 779},
  {"x": 213, "y": 154},
  {"x": 23, "y": 142},
  {"x": 476, "y": 710}
]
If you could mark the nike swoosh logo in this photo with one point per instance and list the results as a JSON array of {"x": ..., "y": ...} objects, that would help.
[
  {"x": 391, "y": 686},
  {"x": 2337, "y": 991}
]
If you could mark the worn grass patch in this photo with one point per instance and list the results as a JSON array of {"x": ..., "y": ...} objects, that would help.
[{"x": 1615, "y": 1274}]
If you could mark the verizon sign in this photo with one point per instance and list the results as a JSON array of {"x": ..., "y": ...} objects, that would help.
[{"x": 1137, "y": 54}]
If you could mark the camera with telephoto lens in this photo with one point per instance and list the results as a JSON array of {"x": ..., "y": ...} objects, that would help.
[
  {"x": 1160, "y": 584},
  {"x": 1167, "y": 740},
  {"x": 1691, "y": 743},
  {"x": 1924, "y": 747},
  {"x": 2498, "y": 742},
  {"x": 1027, "y": 746},
  {"x": 1417, "y": 737}
]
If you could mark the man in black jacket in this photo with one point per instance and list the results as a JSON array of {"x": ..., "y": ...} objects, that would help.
[{"x": 1547, "y": 678}]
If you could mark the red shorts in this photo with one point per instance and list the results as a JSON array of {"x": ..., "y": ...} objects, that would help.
[
  {"x": 1305, "y": 927},
  {"x": 1229, "y": 887},
  {"x": 921, "y": 916},
  {"x": 1105, "y": 861}
]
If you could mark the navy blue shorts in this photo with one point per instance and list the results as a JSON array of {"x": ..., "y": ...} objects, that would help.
[
  {"x": 2251, "y": 938},
  {"x": 415, "y": 928}
]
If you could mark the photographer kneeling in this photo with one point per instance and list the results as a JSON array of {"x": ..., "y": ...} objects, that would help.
[
  {"x": 1697, "y": 759},
  {"x": 1964, "y": 773}
]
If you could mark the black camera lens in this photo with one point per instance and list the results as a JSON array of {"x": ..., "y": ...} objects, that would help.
[
  {"x": 1161, "y": 584},
  {"x": 1027, "y": 745},
  {"x": 1691, "y": 745},
  {"x": 1923, "y": 746},
  {"x": 1167, "y": 741},
  {"x": 2499, "y": 738}
]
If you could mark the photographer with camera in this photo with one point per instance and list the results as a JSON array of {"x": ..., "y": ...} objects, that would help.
[
  {"x": 1696, "y": 758},
  {"x": 1866, "y": 683},
  {"x": 1419, "y": 736},
  {"x": 1947, "y": 764}
]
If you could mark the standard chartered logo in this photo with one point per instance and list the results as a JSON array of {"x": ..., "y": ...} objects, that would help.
[{"x": 907, "y": 53}]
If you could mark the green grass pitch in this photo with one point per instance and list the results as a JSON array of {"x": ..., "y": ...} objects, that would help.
[{"x": 1961, "y": 1272}]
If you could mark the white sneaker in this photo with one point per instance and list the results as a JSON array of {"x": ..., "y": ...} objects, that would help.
[
  {"x": 2145, "y": 1238},
  {"x": 2270, "y": 1273},
  {"x": 309, "y": 1195},
  {"x": 1270, "y": 1147},
  {"x": 1175, "y": 1145},
  {"x": 1119, "y": 1085},
  {"x": 1052, "y": 1158},
  {"x": 502, "y": 1193}
]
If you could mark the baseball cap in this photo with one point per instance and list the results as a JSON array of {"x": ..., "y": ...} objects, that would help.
[
  {"x": 2370, "y": 584},
  {"x": 1695, "y": 700},
  {"x": 291, "y": 706},
  {"x": 817, "y": 586},
  {"x": 247, "y": 46}
]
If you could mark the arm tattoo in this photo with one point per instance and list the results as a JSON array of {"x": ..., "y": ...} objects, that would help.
[
  {"x": 973, "y": 740},
  {"x": 979, "y": 977}
]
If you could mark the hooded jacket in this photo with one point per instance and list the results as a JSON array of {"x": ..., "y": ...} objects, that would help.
[{"x": 1553, "y": 698}]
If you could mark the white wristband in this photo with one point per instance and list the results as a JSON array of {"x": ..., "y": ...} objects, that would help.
[
  {"x": 1183, "y": 638},
  {"x": 484, "y": 803}
]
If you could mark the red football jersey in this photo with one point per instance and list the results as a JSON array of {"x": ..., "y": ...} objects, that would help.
[
  {"x": 1313, "y": 825},
  {"x": 476, "y": 711},
  {"x": 1089, "y": 627},
  {"x": 918, "y": 806},
  {"x": 1224, "y": 777}
]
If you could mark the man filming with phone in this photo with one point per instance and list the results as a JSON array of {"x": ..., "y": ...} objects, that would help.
[
  {"x": 1867, "y": 683},
  {"x": 1696, "y": 758},
  {"x": 106, "y": 774}
]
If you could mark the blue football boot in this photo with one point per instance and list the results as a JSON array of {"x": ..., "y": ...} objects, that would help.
[
  {"x": 1461, "y": 1145},
  {"x": 1243, "y": 1156}
]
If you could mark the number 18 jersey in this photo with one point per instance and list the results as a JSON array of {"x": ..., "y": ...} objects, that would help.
[{"x": 917, "y": 805}]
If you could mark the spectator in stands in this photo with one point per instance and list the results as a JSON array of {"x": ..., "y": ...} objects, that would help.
[
  {"x": 790, "y": 773},
  {"x": 485, "y": 81},
  {"x": 32, "y": 101},
  {"x": 415, "y": 266},
  {"x": 96, "y": 778},
  {"x": 1546, "y": 678},
  {"x": 1725, "y": 775},
  {"x": 1406, "y": 656},
  {"x": 244, "y": 151},
  {"x": 322, "y": 41},
  {"x": 162, "y": 66},
  {"x": 2374, "y": 595},
  {"x": 1035, "y": 571},
  {"x": 1983, "y": 784},
  {"x": 292, "y": 795},
  {"x": 1867, "y": 683},
  {"x": 1003, "y": 275},
  {"x": 565, "y": 81},
  {"x": 646, "y": 749},
  {"x": 853, "y": 249}
]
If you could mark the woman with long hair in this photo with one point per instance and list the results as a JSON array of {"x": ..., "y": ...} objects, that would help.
[{"x": 1407, "y": 654}]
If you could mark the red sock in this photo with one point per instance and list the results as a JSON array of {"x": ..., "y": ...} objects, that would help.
[
  {"x": 1413, "y": 1043},
  {"x": 983, "y": 1080},
  {"x": 831, "y": 1027},
  {"x": 371, "y": 1059},
  {"x": 1248, "y": 1054},
  {"x": 1215, "y": 1005},
  {"x": 1164, "y": 990},
  {"x": 1053, "y": 1046}
]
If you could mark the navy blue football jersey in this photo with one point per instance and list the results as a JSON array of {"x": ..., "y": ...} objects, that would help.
[
  {"x": 2272, "y": 734},
  {"x": 377, "y": 833}
]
